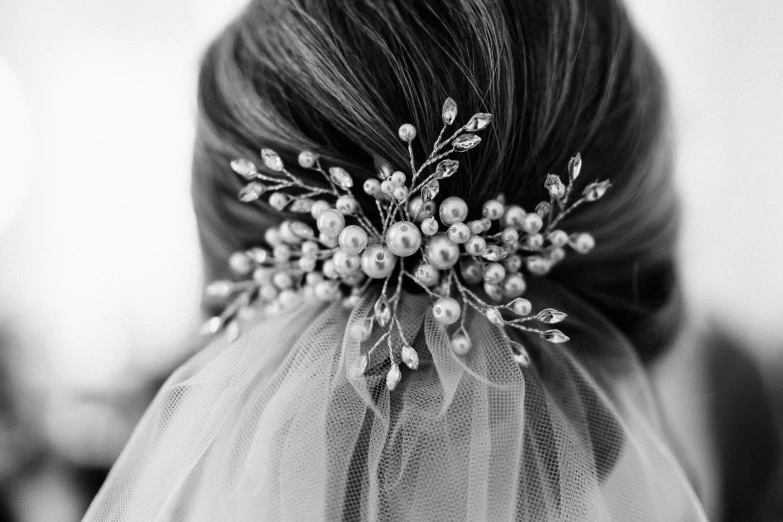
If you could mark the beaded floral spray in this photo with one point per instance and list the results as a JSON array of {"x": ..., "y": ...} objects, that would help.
[{"x": 342, "y": 259}]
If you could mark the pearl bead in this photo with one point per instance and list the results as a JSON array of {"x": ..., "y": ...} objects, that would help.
[
  {"x": 557, "y": 254},
  {"x": 347, "y": 205},
  {"x": 429, "y": 226},
  {"x": 513, "y": 263},
  {"x": 471, "y": 271},
  {"x": 493, "y": 290},
  {"x": 318, "y": 208},
  {"x": 282, "y": 253},
  {"x": 493, "y": 209},
  {"x": 446, "y": 310},
  {"x": 419, "y": 210},
  {"x": 558, "y": 238},
  {"x": 459, "y": 233},
  {"x": 353, "y": 239},
  {"x": 460, "y": 344},
  {"x": 377, "y": 261},
  {"x": 407, "y": 132},
  {"x": 326, "y": 290},
  {"x": 263, "y": 275},
  {"x": 398, "y": 178},
  {"x": 354, "y": 279},
  {"x": 538, "y": 265},
  {"x": 372, "y": 187},
  {"x": 532, "y": 223},
  {"x": 387, "y": 187},
  {"x": 494, "y": 273},
  {"x": 521, "y": 306},
  {"x": 267, "y": 292},
  {"x": 403, "y": 238},
  {"x": 345, "y": 263},
  {"x": 513, "y": 216},
  {"x": 476, "y": 227},
  {"x": 286, "y": 234},
  {"x": 427, "y": 275},
  {"x": 534, "y": 241},
  {"x": 582, "y": 243},
  {"x": 441, "y": 252},
  {"x": 282, "y": 280},
  {"x": 307, "y": 159},
  {"x": 453, "y": 210},
  {"x": 486, "y": 223},
  {"x": 475, "y": 246},
  {"x": 314, "y": 278},
  {"x": 331, "y": 223},
  {"x": 240, "y": 263},
  {"x": 513, "y": 285},
  {"x": 306, "y": 264},
  {"x": 400, "y": 193},
  {"x": 310, "y": 248},
  {"x": 328, "y": 269},
  {"x": 328, "y": 241},
  {"x": 289, "y": 298},
  {"x": 509, "y": 236},
  {"x": 272, "y": 236}
]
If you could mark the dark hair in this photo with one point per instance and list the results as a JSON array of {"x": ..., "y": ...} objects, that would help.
[{"x": 561, "y": 76}]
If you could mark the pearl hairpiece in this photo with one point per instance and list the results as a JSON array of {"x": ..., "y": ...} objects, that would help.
[{"x": 341, "y": 260}]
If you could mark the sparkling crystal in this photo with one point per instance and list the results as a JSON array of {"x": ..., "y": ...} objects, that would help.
[
  {"x": 245, "y": 168},
  {"x": 410, "y": 357},
  {"x": 542, "y": 209},
  {"x": 358, "y": 367},
  {"x": 302, "y": 205},
  {"x": 522, "y": 358},
  {"x": 595, "y": 191},
  {"x": 575, "y": 166},
  {"x": 301, "y": 230},
  {"x": 494, "y": 316},
  {"x": 279, "y": 200},
  {"x": 478, "y": 122},
  {"x": 272, "y": 160},
  {"x": 550, "y": 316},
  {"x": 465, "y": 142},
  {"x": 430, "y": 190},
  {"x": 361, "y": 330},
  {"x": 494, "y": 253},
  {"x": 382, "y": 311},
  {"x": 449, "y": 111},
  {"x": 555, "y": 336},
  {"x": 393, "y": 377},
  {"x": 219, "y": 289},
  {"x": 554, "y": 186},
  {"x": 258, "y": 254},
  {"x": 341, "y": 178},
  {"x": 446, "y": 169},
  {"x": 251, "y": 192}
]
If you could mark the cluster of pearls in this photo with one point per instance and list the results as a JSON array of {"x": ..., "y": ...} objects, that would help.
[{"x": 347, "y": 249}]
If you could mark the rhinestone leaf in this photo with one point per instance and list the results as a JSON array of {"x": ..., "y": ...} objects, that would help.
[
  {"x": 245, "y": 168},
  {"x": 382, "y": 311},
  {"x": 430, "y": 190},
  {"x": 279, "y": 200},
  {"x": 341, "y": 178},
  {"x": 494, "y": 316},
  {"x": 555, "y": 336},
  {"x": 542, "y": 209},
  {"x": 550, "y": 316},
  {"x": 410, "y": 357},
  {"x": 446, "y": 169},
  {"x": 522, "y": 358},
  {"x": 554, "y": 186},
  {"x": 272, "y": 160},
  {"x": 393, "y": 377},
  {"x": 494, "y": 253},
  {"x": 465, "y": 142},
  {"x": 302, "y": 205},
  {"x": 258, "y": 254},
  {"x": 358, "y": 367},
  {"x": 251, "y": 192},
  {"x": 595, "y": 191},
  {"x": 449, "y": 111},
  {"x": 219, "y": 289},
  {"x": 302, "y": 230},
  {"x": 575, "y": 166},
  {"x": 478, "y": 122}
]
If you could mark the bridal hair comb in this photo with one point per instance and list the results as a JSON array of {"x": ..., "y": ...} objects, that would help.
[{"x": 400, "y": 238}]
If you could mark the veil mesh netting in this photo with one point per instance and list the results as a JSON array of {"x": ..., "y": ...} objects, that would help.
[{"x": 270, "y": 427}]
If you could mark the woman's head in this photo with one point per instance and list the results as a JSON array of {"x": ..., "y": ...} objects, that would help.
[{"x": 561, "y": 76}]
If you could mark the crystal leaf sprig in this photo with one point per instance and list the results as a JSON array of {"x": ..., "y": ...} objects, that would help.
[{"x": 476, "y": 265}]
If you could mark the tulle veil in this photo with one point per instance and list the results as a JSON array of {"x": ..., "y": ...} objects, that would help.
[{"x": 272, "y": 427}]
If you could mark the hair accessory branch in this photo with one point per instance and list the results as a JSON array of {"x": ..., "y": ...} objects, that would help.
[{"x": 338, "y": 249}]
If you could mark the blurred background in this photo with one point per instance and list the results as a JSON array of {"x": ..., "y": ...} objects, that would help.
[{"x": 99, "y": 264}]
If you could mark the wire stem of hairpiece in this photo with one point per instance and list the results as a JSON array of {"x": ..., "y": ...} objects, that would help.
[{"x": 565, "y": 213}]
